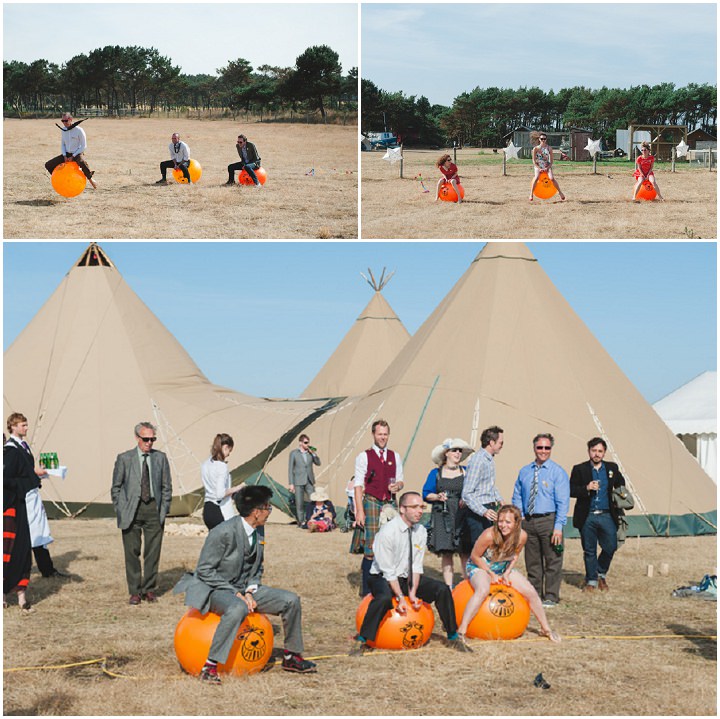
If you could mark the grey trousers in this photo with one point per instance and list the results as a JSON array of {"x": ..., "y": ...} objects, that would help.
[
  {"x": 233, "y": 611},
  {"x": 302, "y": 495},
  {"x": 146, "y": 526},
  {"x": 543, "y": 565}
]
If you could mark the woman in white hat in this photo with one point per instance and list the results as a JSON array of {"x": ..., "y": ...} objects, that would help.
[
  {"x": 320, "y": 512},
  {"x": 448, "y": 531}
]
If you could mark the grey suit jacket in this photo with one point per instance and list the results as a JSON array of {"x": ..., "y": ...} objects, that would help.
[
  {"x": 222, "y": 565},
  {"x": 300, "y": 473},
  {"x": 125, "y": 490}
]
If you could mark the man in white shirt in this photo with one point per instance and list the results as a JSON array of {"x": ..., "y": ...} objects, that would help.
[
  {"x": 397, "y": 572},
  {"x": 73, "y": 144},
  {"x": 378, "y": 476},
  {"x": 179, "y": 159}
]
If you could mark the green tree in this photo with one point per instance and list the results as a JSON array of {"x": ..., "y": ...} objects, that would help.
[{"x": 318, "y": 75}]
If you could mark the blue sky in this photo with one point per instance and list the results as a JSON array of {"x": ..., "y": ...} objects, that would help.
[
  {"x": 263, "y": 318},
  {"x": 199, "y": 37},
  {"x": 443, "y": 50}
]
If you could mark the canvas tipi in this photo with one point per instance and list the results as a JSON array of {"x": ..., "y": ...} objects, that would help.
[
  {"x": 366, "y": 350},
  {"x": 95, "y": 361},
  {"x": 504, "y": 348}
]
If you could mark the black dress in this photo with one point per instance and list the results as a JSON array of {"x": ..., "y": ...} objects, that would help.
[
  {"x": 17, "y": 557},
  {"x": 447, "y": 519}
]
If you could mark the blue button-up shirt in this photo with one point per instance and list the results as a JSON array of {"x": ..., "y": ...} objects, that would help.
[
  {"x": 479, "y": 487},
  {"x": 600, "y": 500},
  {"x": 553, "y": 491}
]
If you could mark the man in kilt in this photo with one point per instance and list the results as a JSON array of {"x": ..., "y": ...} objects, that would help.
[{"x": 378, "y": 476}]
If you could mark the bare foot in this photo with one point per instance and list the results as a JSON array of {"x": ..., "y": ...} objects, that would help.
[
  {"x": 554, "y": 637},
  {"x": 562, "y": 197}
]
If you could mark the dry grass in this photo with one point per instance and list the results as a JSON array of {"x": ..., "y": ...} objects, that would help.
[
  {"x": 594, "y": 671},
  {"x": 598, "y": 206},
  {"x": 126, "y": 154}
]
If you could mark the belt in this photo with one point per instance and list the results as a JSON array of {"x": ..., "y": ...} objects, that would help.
[
  {"x": 536, "y": 516},
  {"x": 599, "y": 511}
]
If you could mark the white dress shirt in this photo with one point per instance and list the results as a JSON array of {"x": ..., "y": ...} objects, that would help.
[
  {"x": 361, "y": 465},
  {"x": 216, "y": 481},
  {"x": 391, "y": 549}
]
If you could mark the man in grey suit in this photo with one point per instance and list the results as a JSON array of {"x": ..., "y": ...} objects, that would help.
[
  {"x": 141, "y": 494},
  {"x": 301, "y": 477},
  {"x": 227, "y": 581}
]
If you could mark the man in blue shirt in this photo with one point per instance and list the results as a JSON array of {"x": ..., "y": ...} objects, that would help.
[
  {"x": 542, "y": 493},
  {"x": 595, "y": 515}
]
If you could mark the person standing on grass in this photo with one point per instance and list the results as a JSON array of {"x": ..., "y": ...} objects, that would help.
[
  {"x": 73, "y": 143},
  {"x": 449, "y": 171},
  {"x": 179, "y": 159},
  {"x": 480, "y": 494},
  {"x": 397, "y": 572},
  {"x": 542, "y": 162},
  {"x": 378, "y": 476},
  {"x": 595, "y": 514},
  {"x": 542, "y": 494},
  {"x": 249, "y": 161},
  {"x": 40, "y": 537},
  {"x": 227, "y": 581},
  {"x": 217, "y": 482},
  {"x": 301, "y": 477},
  {"x": 644, "y": 171},
  {"x": 141, "y": 494}
]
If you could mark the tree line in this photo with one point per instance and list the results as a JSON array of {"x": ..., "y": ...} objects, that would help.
[
  {"x": 485, "y": 116},
  {"x": 138, "y": 80}
]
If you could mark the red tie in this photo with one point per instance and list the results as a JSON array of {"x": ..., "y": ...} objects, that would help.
[{"x": 382, "y": 456}]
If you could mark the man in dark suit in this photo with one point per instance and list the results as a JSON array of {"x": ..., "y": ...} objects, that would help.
[
  {"x": 301, "y": 477},
  {"x": 141, "y": 494},
  {"x": 595, "y": 514},
  {"x": 227, "y": 581}
]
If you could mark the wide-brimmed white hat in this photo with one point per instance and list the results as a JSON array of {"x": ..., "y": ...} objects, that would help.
[
  {"x": 319, "y": 495},
  {"x": 438, "y": 453}
]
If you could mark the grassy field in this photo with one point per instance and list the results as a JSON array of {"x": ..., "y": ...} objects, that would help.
[
  {"x": 496, "y": 207},
  {"x": 633, "y": 651},
  {"x": 126, "y": 155}
]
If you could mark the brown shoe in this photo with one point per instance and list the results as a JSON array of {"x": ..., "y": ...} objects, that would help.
[
  {"x": 602, "y": 585},
  {"x": 589, "y": 588},
  {"x": 150, "y": 597},
  {"x": 134, "y": 600}
]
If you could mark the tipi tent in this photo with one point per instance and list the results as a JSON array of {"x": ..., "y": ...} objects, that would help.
[
  {"x": 95, "y": 361},
  {"x": 691, "y": 413},
  {"x": 505, "y": 348},
  {"x": 367, "y": 349}
]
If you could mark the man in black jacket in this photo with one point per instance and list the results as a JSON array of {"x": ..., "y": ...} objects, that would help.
[
  {"x": 249, "y": 161},
  {"x": 595, "y": 514}
]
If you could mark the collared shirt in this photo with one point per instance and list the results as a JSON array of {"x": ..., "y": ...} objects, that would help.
[
  {"x": 391, "y": 549},
  {"x": 216, "y": 479},
  {"x": 73, "y": 142},
  {"x": 150, "y": 472},
  {"x": 600, "y": 498},
  {"x": 182, "y": 154},
  {"x": 479, "y": 487},
  {"x": 553, "y": 490},
  {"x": 361, "y": 465}
]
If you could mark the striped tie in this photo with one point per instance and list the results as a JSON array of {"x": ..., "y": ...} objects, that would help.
[{"x": 533, "y": 491}]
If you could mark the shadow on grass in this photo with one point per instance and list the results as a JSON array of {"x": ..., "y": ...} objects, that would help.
[
  {"x": 575, "y": 579},
  {"x": 705, "y": 648},
  {"x": 168, "y": 579},
  {"x": 39, "y": 203}
]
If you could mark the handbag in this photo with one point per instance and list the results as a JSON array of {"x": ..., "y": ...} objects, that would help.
[{"x": 622, "y": 498}]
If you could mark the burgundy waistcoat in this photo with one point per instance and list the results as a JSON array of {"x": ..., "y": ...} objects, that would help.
[{"x": 380, "y": 474}]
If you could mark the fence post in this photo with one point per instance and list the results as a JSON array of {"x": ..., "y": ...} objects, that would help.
[
  {"x": 672, "y": 166},
  {"x": 595, "y": 164},
  {"x": 455, "y": 153},
  {"x": 401, "y": 162},
  {"x": 504, "y": 164}
]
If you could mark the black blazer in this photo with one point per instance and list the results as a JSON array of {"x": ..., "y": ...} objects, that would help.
[{"x": 580, "y": 477}]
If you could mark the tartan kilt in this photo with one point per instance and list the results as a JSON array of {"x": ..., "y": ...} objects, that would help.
[{"x": 372, "y": 507}]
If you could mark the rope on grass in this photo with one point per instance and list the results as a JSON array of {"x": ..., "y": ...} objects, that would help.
[{"x": 103, "y": 660}]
